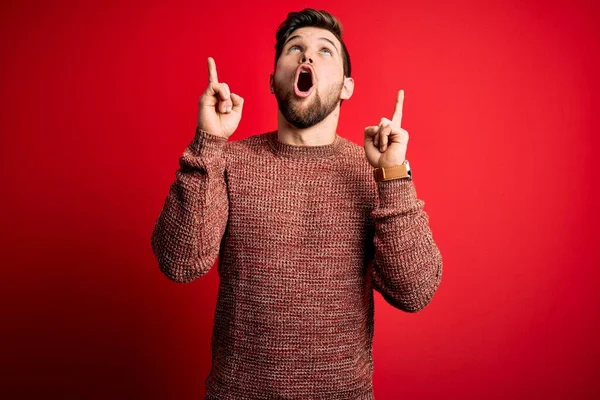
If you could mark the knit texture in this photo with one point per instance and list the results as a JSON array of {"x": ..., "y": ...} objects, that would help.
[{"x": 302, "y": 236}]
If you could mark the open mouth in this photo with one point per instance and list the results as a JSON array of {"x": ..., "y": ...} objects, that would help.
[{"x": 304, "y": 84}]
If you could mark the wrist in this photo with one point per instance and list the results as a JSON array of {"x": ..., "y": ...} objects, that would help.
[
  {"x": 387, "y": 173},
  {"x": 397, "y": 194},
  {"x": 206, "y": 142}
]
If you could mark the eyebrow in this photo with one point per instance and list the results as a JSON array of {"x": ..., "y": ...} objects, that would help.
[{"x": 322, "y": 38}]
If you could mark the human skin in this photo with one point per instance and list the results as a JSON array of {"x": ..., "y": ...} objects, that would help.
[{"x": 319, "y": 50}]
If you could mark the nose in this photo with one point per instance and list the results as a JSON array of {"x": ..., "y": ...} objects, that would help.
[{"x": 304, "y": 58}]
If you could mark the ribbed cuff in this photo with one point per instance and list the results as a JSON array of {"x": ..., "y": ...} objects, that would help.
[
  {"x": 397, "y": 193},
  {"x": 206, "y": 144}
]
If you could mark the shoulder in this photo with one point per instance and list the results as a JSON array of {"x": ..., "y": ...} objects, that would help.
[
  {"x": 357, "y": 173},
  {"x": 352, "y": 148},
  {"x": 354, "y": 165},
  {"x": 354, "y": 155},
  {"x": 253, "y": 144}
]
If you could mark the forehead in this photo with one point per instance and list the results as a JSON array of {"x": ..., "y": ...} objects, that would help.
[{"x": 313, "y": 33}]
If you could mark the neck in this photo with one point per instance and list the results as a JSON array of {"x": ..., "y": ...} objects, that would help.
[{"x": 320, "y": 134}]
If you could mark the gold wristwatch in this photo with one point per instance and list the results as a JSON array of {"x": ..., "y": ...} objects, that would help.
[{"x": 395, "y": 172}]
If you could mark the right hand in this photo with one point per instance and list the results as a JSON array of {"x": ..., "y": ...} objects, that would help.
[{"x": 220, "y": 110}]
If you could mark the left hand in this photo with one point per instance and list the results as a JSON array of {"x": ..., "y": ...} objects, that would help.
[{"x": 386, "y": 143}]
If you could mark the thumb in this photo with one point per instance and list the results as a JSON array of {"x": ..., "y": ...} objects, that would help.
[
  {"x": 238, "y": 102},
  {"x": 371, "y": 131}
]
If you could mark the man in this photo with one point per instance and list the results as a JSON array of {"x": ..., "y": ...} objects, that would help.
[{"x": 303, "y": 227}]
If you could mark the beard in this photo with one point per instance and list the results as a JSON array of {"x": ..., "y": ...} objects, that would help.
[{"x": 303, "y": 117}]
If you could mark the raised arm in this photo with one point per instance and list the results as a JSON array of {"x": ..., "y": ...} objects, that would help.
[
  {"x": 189, "y": 229},
  {"x": 407, "y": 267}
]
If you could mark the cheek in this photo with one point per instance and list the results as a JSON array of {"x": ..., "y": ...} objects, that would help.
[
  {"x": 279, "y": 79},
  {"x": 282, "y": 74},
  {"x": 332, "y": 77}
]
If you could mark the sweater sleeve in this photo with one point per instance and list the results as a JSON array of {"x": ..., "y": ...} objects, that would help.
[
  {"x": 407, "y": 268},
  {"x": 187, "y": 234}
]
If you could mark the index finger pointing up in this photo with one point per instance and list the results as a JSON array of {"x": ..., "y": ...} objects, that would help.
[
  {"x": 212, "y": 71},
  {"x": 398, "y": 109}
]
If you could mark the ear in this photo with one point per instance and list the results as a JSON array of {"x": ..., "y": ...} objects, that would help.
[
  {"x": 271, "y": 83},
  {"x": 348, "y": 89}
]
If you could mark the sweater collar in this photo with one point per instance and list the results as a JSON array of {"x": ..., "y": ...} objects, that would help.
[{"x": 307, "y": 152}]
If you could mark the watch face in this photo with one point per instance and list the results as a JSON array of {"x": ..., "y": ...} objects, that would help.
[{"x": 408, "y": 169}]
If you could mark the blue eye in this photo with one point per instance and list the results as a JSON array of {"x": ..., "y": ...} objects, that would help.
[
  {"x": 293, "y": 47},
  {"x": 327, "y": 50}
]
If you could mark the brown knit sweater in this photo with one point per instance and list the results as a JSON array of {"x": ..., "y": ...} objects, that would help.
[{"x": 295, "y": 230}]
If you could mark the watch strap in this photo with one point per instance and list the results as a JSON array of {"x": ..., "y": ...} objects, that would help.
[{"x": 390, "y": 173}]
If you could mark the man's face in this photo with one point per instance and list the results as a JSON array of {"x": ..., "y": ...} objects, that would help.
[{"x": 309, "y": 77}]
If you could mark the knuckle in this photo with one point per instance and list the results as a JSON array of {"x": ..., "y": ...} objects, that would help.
[
  {"x": 204, "y": 98},
  {"x": 212, "y": 88}
]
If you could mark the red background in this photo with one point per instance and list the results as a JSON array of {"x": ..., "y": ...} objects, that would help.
[{"x": 99, "y": 101}]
